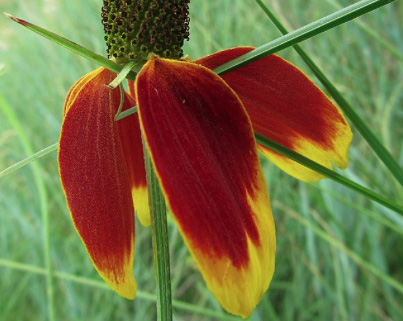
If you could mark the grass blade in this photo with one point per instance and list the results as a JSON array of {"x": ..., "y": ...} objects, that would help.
[{"x": 29, "y": 159}]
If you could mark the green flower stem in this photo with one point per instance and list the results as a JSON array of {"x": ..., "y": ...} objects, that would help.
[
  {"x": 160, "y": 241},
  {"x": 310, "y": 30},
  {"x": 364, "y": 130},
  {"x": 327, "y": 172}
]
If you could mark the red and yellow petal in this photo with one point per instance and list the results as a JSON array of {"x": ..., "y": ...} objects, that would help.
[
  {"x": 95, "y": 179},
  {"x": 287, "y": 107},
  {"x": 203, "y": 149},
  {"x": 130, "y": 134}
]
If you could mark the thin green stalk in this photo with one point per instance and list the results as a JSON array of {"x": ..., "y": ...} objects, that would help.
[
  {"x": 122, "y": 100},
  {"x": 384, "y": 155},
  {"x": 124, "y": 72},
  {"x": 160, "y": 241},
  {"x": 102, "y": 285},
  {"x": 271, "y": 144},
  {"x": 29, "y": 159},
  {"x": 43, "y": 200},
  {"x": 126, "y": 113},
  {"x": 333, "y": 20}
]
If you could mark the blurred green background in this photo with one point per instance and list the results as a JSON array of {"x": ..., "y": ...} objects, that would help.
[{"x": 329, "y": 238}]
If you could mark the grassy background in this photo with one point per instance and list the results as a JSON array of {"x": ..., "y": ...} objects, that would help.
[{"x": 327, "y": 235}]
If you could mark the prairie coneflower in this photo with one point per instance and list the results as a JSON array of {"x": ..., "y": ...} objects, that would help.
[{"x": 198, "y": 128}]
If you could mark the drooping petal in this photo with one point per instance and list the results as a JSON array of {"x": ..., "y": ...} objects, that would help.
[
  {"x": 130, "y": 133},
  {"x": 96, "y": 182},
  {"x": 287, "y": 107},
  {"x": 203, "y": 149}
]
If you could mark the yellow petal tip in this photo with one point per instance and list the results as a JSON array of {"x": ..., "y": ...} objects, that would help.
[
  {"x": 140, "y": 200},
  {"x": 126, "y": 288}
]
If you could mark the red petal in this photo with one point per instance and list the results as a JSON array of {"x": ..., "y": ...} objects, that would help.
[
  {"x": 95, "y": 179},
  {"x": 203, "y": 149},
  {"x": 287, "y": 107}
]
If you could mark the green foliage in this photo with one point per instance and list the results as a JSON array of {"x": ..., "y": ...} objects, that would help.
[{"x": 324, "y": 230}]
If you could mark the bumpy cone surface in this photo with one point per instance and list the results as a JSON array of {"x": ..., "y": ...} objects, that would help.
[{"x": 136, "y": 28}]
